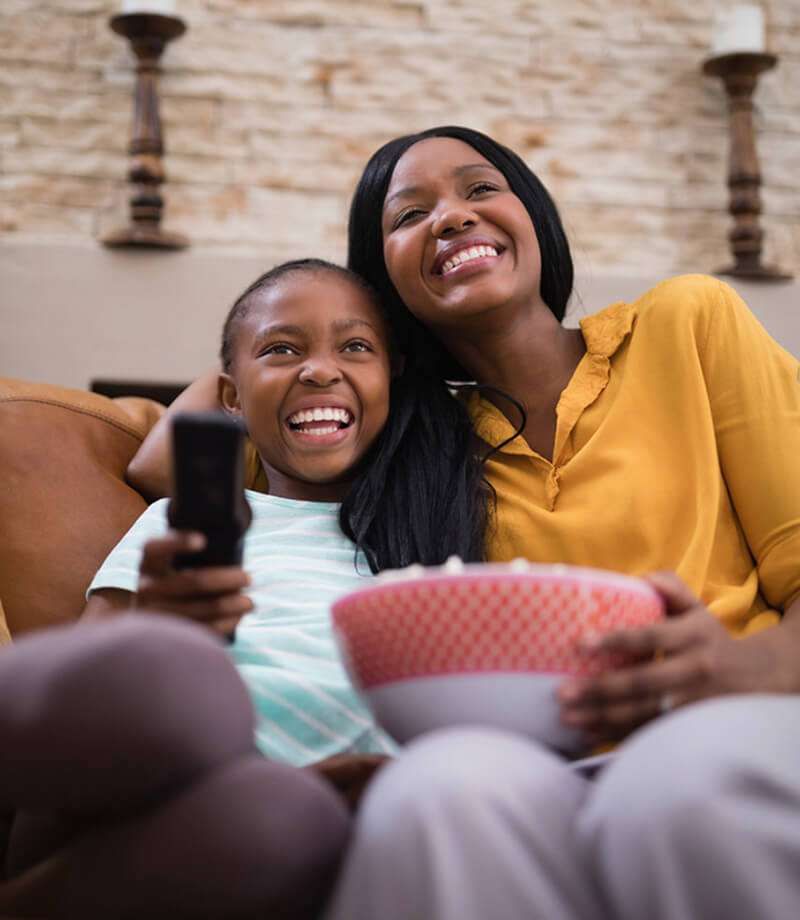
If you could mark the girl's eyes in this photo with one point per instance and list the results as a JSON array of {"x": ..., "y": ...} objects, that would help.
[
  {"x": 279, "y": 348},
  {"x": 358, "y": 346}
]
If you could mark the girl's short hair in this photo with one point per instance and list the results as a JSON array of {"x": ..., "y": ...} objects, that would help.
[
  {"x": 243, "y": 302},
  {"x": 365, "y": 255}
]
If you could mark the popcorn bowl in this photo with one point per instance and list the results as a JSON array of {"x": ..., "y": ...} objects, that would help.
[{"x": 483, "y": 644}]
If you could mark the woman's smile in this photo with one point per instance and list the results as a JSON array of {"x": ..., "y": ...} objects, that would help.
[{"x": 454, "y": 257}]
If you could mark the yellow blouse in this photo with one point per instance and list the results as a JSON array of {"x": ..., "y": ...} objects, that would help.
[{"x": 677, "y": 447}]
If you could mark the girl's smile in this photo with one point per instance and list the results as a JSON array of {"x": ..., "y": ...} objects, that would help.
[{"x": 325, "y": 421}]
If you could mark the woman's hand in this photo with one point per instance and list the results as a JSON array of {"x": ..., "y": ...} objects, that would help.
[
  {"x": 689, "y": 656},
  {"x": 210, "y": 596},
  {"x": 350, "y": 773}
]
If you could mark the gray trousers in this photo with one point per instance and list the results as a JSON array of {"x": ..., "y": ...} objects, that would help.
[
  {"x": 127, "y": 756},
  {"x": 697, "y": 817}
]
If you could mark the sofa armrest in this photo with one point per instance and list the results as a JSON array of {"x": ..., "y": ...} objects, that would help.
[{"x": 64, "y": 502}]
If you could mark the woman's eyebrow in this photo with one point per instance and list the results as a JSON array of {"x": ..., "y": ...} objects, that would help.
[{"x": 411, "y": 190}]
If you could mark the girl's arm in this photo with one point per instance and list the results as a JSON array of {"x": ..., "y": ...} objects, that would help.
[
  {"x": 209, "y": 596},
  {"x": 107, "y": 602},
  {"x": 150, "y": 469}
]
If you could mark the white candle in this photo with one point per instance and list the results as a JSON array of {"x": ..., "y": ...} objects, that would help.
[
  {"x": 737, "y": 29},
  {"x": 165, "y": 7}
]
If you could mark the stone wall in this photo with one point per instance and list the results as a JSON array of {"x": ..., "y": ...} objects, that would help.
[{"x": 271, "y": 108}]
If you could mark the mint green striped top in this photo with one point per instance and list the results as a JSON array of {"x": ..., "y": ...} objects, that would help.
[{"x": 299, "y": 562}]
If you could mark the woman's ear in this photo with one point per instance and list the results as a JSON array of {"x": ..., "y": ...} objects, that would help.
[{"x": 229, "y": 395}]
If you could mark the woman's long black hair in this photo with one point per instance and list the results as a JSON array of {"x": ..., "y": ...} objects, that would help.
[{"x": 425, "y": 496}]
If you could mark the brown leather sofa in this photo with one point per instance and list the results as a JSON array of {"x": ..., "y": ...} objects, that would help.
[{"x": 64, "y": 501}]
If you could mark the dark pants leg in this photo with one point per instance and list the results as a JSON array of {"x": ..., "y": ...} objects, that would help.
[{"x": 127, "y": 747}]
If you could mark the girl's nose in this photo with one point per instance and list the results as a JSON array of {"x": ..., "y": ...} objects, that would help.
[
  {"x": 451, "y": 219},
  {"x": 320, "y": 372}
]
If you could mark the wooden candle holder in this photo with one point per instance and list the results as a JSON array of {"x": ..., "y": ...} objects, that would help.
[
  {"x": 739, "y": 72},
  {"x": 149, "y": 34}
]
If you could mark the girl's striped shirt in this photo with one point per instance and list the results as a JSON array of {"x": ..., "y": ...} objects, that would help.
[{"x": 299, "y": 562}]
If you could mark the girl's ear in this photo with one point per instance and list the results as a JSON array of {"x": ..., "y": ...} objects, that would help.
[{"x": 229, "y": 395}]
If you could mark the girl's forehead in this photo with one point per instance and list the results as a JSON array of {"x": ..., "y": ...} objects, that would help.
[{"x": 312, "y": 301}]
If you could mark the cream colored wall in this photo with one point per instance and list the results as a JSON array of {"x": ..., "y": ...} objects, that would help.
[{"x": 72, "y": 314}]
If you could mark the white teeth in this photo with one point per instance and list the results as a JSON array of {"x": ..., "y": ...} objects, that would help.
[
  {"x": 474, "y": 252},
  {"x": 330, "y": 429},
  {"x": 320, "y": 414}
]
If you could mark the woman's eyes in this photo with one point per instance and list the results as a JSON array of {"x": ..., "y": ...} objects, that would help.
[
  {"x": 406, "y": 216},
  {"x": 480, "y": 188}
]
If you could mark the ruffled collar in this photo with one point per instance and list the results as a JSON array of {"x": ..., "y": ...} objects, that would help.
[{"x": 603, "y": 334}]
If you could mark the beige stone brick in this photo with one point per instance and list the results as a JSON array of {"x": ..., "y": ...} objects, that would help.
[
  {"x": 31, "y": 220},
  {"x": 45, "y": 79},
  {"x": 196, "y": 169},
  {"x": 9, "y": 134},
  {"x": 39, "y": 36},
  {"x": 73, "y": 134},
  {"x": 60, "y": 192},
  {"x": 324, "y": 14},
  {"x": 22, "y": 100},
  {"x": 503, "y": 17},
  {"x": 301, "y": 176},
  {"x": 60, "y": 162}
]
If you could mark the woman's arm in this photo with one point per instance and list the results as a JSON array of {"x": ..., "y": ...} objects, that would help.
[
  {"x": 150, "y": 469},
  {"x": 688, "y": 657}
]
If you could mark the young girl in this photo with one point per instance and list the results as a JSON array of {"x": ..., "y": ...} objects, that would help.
[
  {"x": 307, "y": 367},
  {"x": 159, "y": 780}
]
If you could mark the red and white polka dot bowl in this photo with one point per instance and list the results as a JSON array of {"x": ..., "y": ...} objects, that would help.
[{"x": 483, "y": 644}]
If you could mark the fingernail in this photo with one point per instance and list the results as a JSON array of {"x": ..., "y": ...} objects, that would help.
[
  {"x": 569, "y": 692},
  {"x": 591, "y": 642},
  {"x": 196, "y": 540}
]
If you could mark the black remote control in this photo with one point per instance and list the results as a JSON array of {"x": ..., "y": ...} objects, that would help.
[{"x": 208, "y": 487}]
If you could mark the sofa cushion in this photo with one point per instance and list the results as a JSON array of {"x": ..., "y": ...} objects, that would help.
[{"x": 64, "y": 502}]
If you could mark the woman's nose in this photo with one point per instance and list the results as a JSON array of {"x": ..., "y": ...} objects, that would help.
[
  {"x": 453, "y": 218},
  {"x": 320, "y": 372}
]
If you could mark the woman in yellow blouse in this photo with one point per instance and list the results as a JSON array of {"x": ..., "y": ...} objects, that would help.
[{"x": 662, "y": 435}]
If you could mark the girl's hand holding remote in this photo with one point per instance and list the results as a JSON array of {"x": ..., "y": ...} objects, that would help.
[{"x": 210, "y": 596}]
